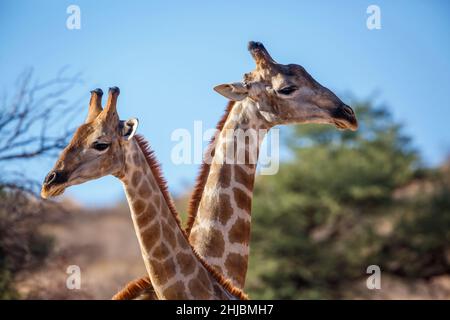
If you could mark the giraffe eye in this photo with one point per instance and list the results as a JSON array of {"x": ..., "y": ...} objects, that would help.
[
  {"x": 287, "y": 90},
  {"x": 100, "y": 146}
]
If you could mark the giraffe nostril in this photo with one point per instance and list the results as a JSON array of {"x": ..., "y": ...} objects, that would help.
[
  {"x": 55, "y": 177},
  {"x": 50, "y": 177},
  {"x": 348, "y": 111}
]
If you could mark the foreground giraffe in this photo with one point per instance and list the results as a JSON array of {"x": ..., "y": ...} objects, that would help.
[
  {"x": 105, "y": 145},
  {"x": 220, "y": 207}
]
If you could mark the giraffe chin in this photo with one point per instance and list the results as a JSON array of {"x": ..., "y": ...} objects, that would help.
[
  {"x": 344, "y": 125},
  {"x": 52, "y": 191}
]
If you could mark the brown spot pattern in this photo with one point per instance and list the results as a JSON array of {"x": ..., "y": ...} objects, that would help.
[
  {"x": 240, "y": 231},
  {"x": 139, "y": 206},
  {"x": 198, "y": 290},
  {"x": 241, "y": 176},
  {"x": 225, "y": 176},
  {"x": 235, "y": 263},
  {"x": 243, "y": 201},
  {"x": 169, "y": 235},
  {"x": 136, "y": 178},
  {"x": 186, "y": 263},
  {"x": 177, "y": 291},
  {"x": 151, "y": 234},
  {"x": 226, "y": 211},
  {"x": 161, "y": 251},
  {"x": 144, "y": 190},
  {"x": 215, "y": 244}
]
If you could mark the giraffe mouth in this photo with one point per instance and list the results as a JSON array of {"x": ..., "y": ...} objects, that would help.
[
  {"x": 52, "y": 190},
  {"x": 345, "y": 125},
  {"x": 54, "y": 184}
]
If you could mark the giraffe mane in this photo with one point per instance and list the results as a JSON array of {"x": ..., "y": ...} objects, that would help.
[
  {"x": 200, "y": 182},
  {"x": 135, "y": 287}
]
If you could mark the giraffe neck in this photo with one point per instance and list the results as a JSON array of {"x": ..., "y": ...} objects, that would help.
[
  {"x": 173, "y": 267},
  {"x": 221, "y": 230}
]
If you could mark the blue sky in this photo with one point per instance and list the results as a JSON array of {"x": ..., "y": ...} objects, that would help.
[{"x": 166, "y": 56}]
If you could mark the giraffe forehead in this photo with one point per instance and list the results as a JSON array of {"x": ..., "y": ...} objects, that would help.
[{"x": 82, "y": 134}]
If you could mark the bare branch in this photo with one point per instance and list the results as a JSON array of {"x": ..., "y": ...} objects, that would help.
[{"x": 36, "y": 121}]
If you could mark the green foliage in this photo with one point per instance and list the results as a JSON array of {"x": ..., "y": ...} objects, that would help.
[
  {"x": 319, "y": 222},
  {"x": 421, "y": 240}
]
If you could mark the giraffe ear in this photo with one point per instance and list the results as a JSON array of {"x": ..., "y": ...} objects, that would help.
[
  {"x": 233, "y": 91},
  {"x": 128, "y": 128}
]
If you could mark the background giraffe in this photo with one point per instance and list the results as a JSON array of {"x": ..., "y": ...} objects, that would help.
[
  {"x": 105, "y": 145},
  {"x": 220, "y": 208}
]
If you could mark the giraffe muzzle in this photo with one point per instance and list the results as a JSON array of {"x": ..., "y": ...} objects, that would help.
[
  {"x": 345, "y": 118},
  {"x": 55, "y": 177}
]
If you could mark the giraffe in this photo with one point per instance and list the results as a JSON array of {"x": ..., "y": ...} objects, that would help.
[
  {"x": 105, "y": 145},
  {"x": 219, "y": 214},
  {"x": 220, "y": 208}
]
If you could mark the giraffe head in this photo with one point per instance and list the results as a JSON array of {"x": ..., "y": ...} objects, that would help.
[
  {"x": 288, "y": 94},
  {"x": 96, "y": 149}
]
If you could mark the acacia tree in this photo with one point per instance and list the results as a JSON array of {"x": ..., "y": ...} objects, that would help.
[{"x": 35, "y": 122}]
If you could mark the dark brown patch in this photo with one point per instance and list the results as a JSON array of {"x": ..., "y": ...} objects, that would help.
[
  {"x": 136, "y": 178},
  {"x": 240, "y": 232},
  {"x": 144, "y": 219},
  {"x": 186, "y": 263},
  {"x": 137, "y": 160},
  {"x": 151, "y": 211},
  {"x": 243, "y": 201},
  {"x": 138, "y": 206},
  {"x": 182, "y": 241},
  {"x": 151, "y": 235},
  {"x": 169, "y": 267},
  {"x": 235, "y": 265},
  {"x": 225, "y": 176},
  {"x": 177, "y": 291},
  {"x": 161, "y": 251},
  {"x": 162, "y": 271},
  {"x": 215, "y": 243},
  {"x": 241, "y": 176},
  {"x": 198, "y": 289},
  {"x": 157, "y": 200},
  {"x": 226, "y": 211},
  {"x": 169, "y": 235},
  {"x": 144, "y": 190}
]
